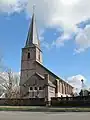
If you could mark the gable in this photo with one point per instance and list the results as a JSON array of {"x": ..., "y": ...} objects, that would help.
[{"x": 35, "y": 80}]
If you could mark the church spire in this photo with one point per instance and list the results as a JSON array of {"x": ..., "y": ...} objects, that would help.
[{"x": 32, "y": 33}]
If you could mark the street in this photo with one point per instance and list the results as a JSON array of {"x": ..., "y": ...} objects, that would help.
[{"x": 44, "y": 116}]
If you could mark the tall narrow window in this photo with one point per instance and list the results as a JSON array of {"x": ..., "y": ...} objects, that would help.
[
  {"x": 28, "y": 55},
  {"x": 39, "y": 56}
]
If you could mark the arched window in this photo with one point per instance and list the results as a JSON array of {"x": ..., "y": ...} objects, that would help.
[
  {"x": 35, "y": 88},
  {"x": 31, "y": 88},
  {"x": 40, "y": 88}
]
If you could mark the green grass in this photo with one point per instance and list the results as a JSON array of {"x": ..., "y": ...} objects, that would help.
[{"x": 42, "y": 109}]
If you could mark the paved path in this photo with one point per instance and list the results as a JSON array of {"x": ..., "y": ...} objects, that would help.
[{"x": 43, "y": 116}]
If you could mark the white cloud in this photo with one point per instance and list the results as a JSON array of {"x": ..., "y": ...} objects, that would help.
[
  {"x": 41, "y": 34},
  {"x": 10, "y": 6},
  {"x": 59, "y": 42},
  {"x": 83, "y": 40},
  {"x": 69, "y": 2},
  {"x": 51, "y": 13},
  {"x": 61, "y": 13},
  {"x": 75, "y": 81},
  {"x": 46, "y": 45}
]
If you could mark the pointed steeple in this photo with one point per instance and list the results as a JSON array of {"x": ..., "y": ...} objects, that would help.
[{"x": 32, "y": 33}]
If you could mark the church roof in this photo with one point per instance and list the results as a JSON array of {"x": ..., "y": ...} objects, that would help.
[
  {"x": 42, "y": 78},
  {"x": 52, "y": 73},
  {"x": 32, "y": 38},
  {"x": 36, "y": 73}
]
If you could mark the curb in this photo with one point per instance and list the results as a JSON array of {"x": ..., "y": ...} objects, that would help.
[{"x": 46, "y": 109}]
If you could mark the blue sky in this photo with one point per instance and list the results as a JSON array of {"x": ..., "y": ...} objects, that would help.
[{"x": 65, "y": 44}]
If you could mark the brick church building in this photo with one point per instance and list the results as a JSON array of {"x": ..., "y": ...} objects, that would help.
[{"x": 36, "y": 80}]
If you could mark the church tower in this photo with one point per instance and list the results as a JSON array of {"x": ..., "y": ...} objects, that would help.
[{"x": 30, "y": 53}]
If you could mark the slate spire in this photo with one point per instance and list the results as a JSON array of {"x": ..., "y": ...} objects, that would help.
[{"x": 32, "y": 33}]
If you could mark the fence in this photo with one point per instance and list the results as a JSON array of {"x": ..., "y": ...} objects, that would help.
[
  {"x": 23, "y": 102},
  {"x": 60, "y": 102},
  {"x": 79, "y": 101}
]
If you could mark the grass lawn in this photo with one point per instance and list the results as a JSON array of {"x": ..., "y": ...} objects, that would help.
[{"x": 42, "y": 109}]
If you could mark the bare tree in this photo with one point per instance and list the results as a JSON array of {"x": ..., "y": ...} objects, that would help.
[
  {"x": 10, "y": 84},
  {"x": 9, "y": 81}
]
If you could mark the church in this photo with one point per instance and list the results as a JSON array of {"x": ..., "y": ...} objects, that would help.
[{"x": 37, "y": 81}]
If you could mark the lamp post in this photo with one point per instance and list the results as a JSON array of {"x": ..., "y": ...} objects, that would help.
[{"x": 82, "y": 87}]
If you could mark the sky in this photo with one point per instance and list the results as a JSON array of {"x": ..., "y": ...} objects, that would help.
[{"x": 64, "y": 32}]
